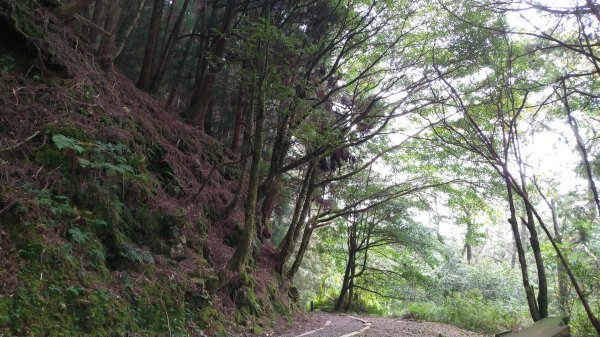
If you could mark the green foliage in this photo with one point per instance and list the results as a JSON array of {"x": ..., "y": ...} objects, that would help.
[
  {"x": 64, "y": 142},
  {"x": 467, "y": 310},
  {"x": 7, "y": 63},
  {"x": 136, "y": 254},
  {"x": 78, "y": 235}
]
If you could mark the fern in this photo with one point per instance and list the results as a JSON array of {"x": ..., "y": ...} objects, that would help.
[
  {"x": 64, "y": 142},
  {"x": 137, "y": 255},
  {"x": 78, "y": 235}
]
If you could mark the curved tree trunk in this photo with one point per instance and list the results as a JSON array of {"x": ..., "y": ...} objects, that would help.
[
  {"x": 301, "y": 209},
  {"x": 531, "y": 301},
  {"x": 306, "y": 235},
  {"x": 582, "y": 149}
]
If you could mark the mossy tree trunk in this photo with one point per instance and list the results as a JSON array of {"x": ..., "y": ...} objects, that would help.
[
  {"x": 306, "y": 235},
  {"x": 301, "y": 209},
  {"x": 244, "y": 247}
]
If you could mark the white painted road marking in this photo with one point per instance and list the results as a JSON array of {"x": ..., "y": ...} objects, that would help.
[
  {"x": 366, "y": 327},
  {"x": 328, "y": 323}
]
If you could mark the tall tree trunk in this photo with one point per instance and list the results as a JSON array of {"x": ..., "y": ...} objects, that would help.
[
  {"x": 129, "y": 28},
  {"x": 96, "y": 17},
  {"x": 303, "y": 202},
  {"x": 561, "y": 276},
  {"x": 167, "y": 52},
  {"x": 107, "y": 45},
  {"x": 563, "y": 260},
  {"x": 150, "y": 52},
  {"x": 343, "y": 296},
  {"x": 270, "y": 188},
  {"x": 562, "y": 280},
  {"x": 238, "y": 123},
  {"x": 469, "y": 251},
  {"x": 513, "y": 256},
  {"x": 306, "y": 235},
  {"x": 243, "y": 248},
  {"x": 182, "y": 63},
  {"x": 203, "y": 93},
  {"x": 529, "y": 293},
  {"x": 351, "y": 286},
  {"x": 542, "y": 298},
  {"x": 582, "y": 149}
]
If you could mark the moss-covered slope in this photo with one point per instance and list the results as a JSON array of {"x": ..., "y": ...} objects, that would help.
[{"x": 111, "y": 222}]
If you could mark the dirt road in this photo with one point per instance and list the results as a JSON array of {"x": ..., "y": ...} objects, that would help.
[{"x": 336, "y": 325}]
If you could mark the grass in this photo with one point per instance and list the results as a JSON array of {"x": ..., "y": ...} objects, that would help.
[{"x": 468, "y": 311}]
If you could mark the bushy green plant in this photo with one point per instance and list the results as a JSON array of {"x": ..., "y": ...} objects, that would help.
[
  {"x": 471, "y": 311},
  {"x": 7, "y": 63},
  {"x": 579, "y": 323},
  {"x": 468, "y": 310}
]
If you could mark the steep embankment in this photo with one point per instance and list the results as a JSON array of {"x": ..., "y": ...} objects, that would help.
[{"x": 116, "y": 218}]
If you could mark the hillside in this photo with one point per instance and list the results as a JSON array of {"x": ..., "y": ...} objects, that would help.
[
  {"x": 221, "y": 167},
  {"x": 116, "y": 218}
]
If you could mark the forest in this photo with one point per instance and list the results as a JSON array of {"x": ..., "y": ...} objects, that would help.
[{"x": 227, "y": 167}]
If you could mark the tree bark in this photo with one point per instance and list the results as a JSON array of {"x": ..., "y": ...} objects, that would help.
[
  {"x": 107, "y": 45},
  {"x": 270, "y": 188},
  {"x": 202, "y": 95},
  {"x": 150, "y": 51},
  {"x": 343, "y": 296},
  {"x": 182, "y": 63},
  {"x": 561, "y": 277},
  {"x": 129, "y": 28},
  {"x": 238, "y": 123},
  {"x": 582, "y": 149},
  {"x": 529, "y": 223},
  {"x": 303, "y": 202},
  {"x": 306, "y": 235},
  {"x": 531, "y": 301},
  {"x": 542, "y": 298},
  {"x": 469, "y": 251},
  {"x": 242, "y": 250},
  {"x": 96, "y": 16},
  {"x": 167, "y": 52},
  {"x": 563, "y": 260}
]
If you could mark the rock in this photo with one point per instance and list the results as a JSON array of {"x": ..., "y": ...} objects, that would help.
[{"x": 547, "y": 327}]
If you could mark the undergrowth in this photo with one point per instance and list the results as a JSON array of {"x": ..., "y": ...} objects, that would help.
[
  {"x": 468, "y": 311},
  {"x": 103, "y": 227}
]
